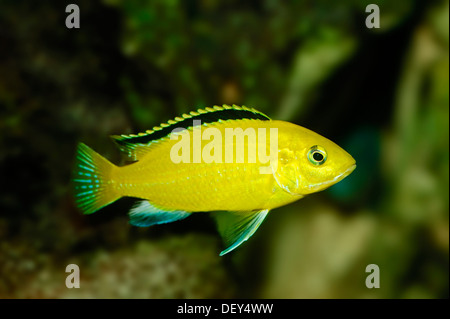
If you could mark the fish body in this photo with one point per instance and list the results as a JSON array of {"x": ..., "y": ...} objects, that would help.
[{"x": 232, "y": 161}]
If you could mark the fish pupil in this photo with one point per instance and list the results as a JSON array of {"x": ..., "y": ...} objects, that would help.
[{"x": 318, "y": 156}]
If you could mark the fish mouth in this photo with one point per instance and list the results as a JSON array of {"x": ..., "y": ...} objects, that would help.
[
  {"x": 336, "y": 179},
  {"x": 347, "y": 172}
]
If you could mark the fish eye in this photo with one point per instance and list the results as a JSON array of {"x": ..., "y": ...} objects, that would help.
[{"x": 317, "y": 155}]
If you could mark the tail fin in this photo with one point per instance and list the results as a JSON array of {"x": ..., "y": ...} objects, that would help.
[{"x": 91, "y": 180}]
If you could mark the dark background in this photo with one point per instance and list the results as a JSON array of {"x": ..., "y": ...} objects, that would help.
[{"x": 382, "y": 94}]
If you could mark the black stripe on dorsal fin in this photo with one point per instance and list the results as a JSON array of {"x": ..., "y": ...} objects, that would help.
[{"x": 132, "y": 144}]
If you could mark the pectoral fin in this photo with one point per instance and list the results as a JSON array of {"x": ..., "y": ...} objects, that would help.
[
  {"x": 237, "y": 227},
  {"x": 145, "y": 214}
]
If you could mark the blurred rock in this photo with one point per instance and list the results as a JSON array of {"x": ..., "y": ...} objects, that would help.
[{"x": 174, "y": 267}]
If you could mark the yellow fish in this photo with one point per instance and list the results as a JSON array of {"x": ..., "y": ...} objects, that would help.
[{"x": 233, "y": 161}]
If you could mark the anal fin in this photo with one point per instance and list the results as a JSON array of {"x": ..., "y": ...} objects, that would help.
[
  {"x": 236, "y": 227},
  {"x": 144, "y": 214}
]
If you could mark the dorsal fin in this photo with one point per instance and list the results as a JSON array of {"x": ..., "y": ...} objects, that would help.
[{"x": 136, "y": 145}]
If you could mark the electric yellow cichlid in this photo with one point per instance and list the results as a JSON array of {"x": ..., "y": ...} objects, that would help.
[{"x": 232, "y": 161}]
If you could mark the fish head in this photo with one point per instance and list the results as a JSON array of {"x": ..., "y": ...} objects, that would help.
[{"x": 309, "y": 162}]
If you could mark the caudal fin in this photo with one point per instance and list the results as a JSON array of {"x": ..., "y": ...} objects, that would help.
[{"x": 91, "y": 180}]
